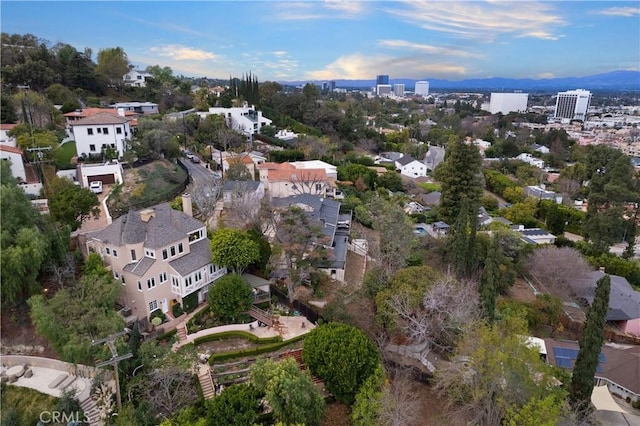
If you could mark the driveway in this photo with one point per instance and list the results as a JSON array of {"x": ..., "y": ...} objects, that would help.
[{"x": 92, "y": 224}]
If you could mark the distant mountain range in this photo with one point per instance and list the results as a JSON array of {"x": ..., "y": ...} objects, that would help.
[{"x": 615, "y": 80}]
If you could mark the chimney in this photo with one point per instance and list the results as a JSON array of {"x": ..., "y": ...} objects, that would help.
[
  {"x": 121, "y": 112},
  {"x": 601, "y": 269},
  {"x": 187, "y": 207},
  {"x": 147, "y": 214}
]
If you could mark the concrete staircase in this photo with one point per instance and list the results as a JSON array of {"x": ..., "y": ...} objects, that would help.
[
  {"x": 261, "y": 316},
  {"x": 91, "y": 412},
  {"x": 206, "y": 382},
  {"x": 182, "y": 333}
]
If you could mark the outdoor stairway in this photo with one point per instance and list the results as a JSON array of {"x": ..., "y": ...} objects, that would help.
[
  {"x": 297, "y": 355},
  {"x": 261, "y": 315},
  {"x": 206, "y": 383},
  {"x": 182, "y": 333},
  {"x": 91, "y": 411}
]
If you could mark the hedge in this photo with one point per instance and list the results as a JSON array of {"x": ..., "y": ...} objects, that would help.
[
  {"x": 237, "y": 334},
  {"x": 253, "y": 351}
]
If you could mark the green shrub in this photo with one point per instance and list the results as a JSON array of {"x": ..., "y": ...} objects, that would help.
[
  {"x": 190, "y": 302},
  {"x": 237, "y": 334},
  {"x": 177, "y": 310},
  {"x": 157, "y": 314}
]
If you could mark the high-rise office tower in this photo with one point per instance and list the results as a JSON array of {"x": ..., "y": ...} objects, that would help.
[
  {"x": 398, "y": 90},
  {"x": 422, "y": 88},
  {"x": 573, "y": 104},
  {"x": 508, "y": 102},
  {"x": 382, "y": 79}
]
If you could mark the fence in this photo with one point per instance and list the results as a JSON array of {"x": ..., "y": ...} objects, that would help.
[{"x": 304, "y": 309}]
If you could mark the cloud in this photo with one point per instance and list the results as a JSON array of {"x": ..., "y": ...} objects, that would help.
[
  {"x": 427, "y": 48},
  {"x": 280, "y": 53},
  {"x": 546, "y": 75},
  {"x": 312, "y": 10},
  {"x": 487, "y": 21},
  {"x": 619, "y": 11},
  {"x": 182, "y": 53},
  {"x": 364, "y": 67}
]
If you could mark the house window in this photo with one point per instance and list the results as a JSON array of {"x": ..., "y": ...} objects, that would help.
[
  {"x": 89, "y": 132},
  {"x": 150, "y": 253},
  {"x": 212, "y": 269},
  {"x": 198, "y": 276},
  {"x": 115, "y": 253},
  {"x": 318, "y": 187},
  {"x": 105, "y": 130},
  {"x": 139, "y": 286},
  {"x": 92, "y": 147},
  {"x": 175, "y": 284},
  {"x": 133, "y": 255},
  {"x": 163, "y": 277},
  {"x": 122, "y": 279},
  {"x": 164, "y": 254},
  {"x": 151, "y": 283},
  {"x": 119, "y": 130},
  {"x": 99, "y": 130},
  {"x": 188, "y": 281},
  {"x": 108, "y": 250},
  {"x": 153, "y": 305},
  {"x": 180, "y": 248},
  {"x": 116, "y": 275},
  {"x": 173, "y": 251}
]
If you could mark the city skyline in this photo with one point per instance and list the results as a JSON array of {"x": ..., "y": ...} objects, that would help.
[{"x": 331, "y": 40}]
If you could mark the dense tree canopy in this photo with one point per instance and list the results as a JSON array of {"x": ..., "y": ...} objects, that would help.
[
  {"x": 343, "y": 356},
  {"x": 70, "y": 204},
  {"x": 237, "y": 405},
  {"x": 230, "y": 296},
  {"x": 234, "y": 249}
]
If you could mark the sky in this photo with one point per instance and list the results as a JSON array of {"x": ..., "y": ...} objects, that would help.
[{"x": 334, "y": 39}]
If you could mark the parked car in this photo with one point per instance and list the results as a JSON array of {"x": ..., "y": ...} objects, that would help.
[
  {"x": 195, "y": 159},
  {"x": 96, "y": 186}
]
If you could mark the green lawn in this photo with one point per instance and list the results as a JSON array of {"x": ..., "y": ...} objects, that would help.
[
  {"x": 64, "y": 154},
  {"x": 28, "y": 404}
]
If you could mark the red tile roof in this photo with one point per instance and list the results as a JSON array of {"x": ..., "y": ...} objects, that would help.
[
  {"x": 100, "y": 118},
  {"x": 7, "y": 126},
  {"x": 11, "y": 149}
]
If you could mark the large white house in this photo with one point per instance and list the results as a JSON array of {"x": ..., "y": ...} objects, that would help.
[
  {"x": 411, "y": 167},
  {"x": 505, "y": 103},
  {"x": 5, "y": 139},
  {"x": 101, "y": 131},
  {"x": 245, "y": 120},
  {"x": 25, "y": 173},
  {"x": 136, "y": 78},
  {"x": 530, "y": 159}
]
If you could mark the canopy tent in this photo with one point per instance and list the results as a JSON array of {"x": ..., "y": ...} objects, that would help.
[{"x": 602, "y": 400}]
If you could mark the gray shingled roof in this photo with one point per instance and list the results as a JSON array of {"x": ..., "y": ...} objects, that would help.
[
  {"x": 624, "y": 301},
  {"x": 432, "y": 198},
  {"x": 141, "y": 267},
  {"x": 199, "y": 257},
  {"x": 241, "y": 185},
  {"x": 406, "y": 159},
  {"x": 166, "y": 227},
  {"x": 100, "y": 118}
]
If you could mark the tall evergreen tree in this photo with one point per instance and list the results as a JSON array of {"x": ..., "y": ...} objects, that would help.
[
  {"x": 459, "y": 240},
  {"x": 490, "y": 278},
  {"x": 582, "y": 380}
]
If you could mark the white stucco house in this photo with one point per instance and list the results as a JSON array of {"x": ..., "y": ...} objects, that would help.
[
  {"x": 530, "y": 159},
  {"x": 25, "y": 173},
  {"x": 100, "y": 131},
  {"x": 137, "y": 107},
  {"x": 246, "y": 120},
  {"x": 136, "y": 78},
  {"x": 411, "y": 167},
  {"x": 5, "y": 139}
]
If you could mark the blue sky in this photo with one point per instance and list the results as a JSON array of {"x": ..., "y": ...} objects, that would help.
[{"x": 324, "y": 40}]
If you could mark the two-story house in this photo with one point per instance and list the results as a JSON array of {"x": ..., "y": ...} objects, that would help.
[
  {"x": 246, "y": 120},
  {"x": 285, "y": 180},
  {"x": 137, "y": 78},
  {"x": 410, "y": 167},
  {"x": 100, "y": 131},
  {"x": 160, "y": 255}
]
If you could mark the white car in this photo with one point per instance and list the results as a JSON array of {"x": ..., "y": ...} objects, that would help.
[{"x": 96, "y": 186}]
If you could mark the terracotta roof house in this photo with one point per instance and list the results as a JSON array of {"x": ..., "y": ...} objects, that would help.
[
  {"x": 5, "y": 139},
  {"x": 24, "y": 172},
  {"x": 100, "y": 131},
  {"x": 618, "y": 367},
  {"x": 161, "y": 256},
  {"x": 336, "y": 227},
  {"x": 624, "y": 301},
  {"x": 285, "y": 180}
]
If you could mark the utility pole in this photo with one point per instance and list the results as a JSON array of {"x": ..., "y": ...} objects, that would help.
[{"x": 115, "y": 359}]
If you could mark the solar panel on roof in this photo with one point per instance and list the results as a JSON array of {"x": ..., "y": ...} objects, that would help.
[
  {"x": 572, "y": 353},
  {"x": 564, "y": 362},
  {"x": 599, "y": 369},
  {"x": 602, "y": 359}
]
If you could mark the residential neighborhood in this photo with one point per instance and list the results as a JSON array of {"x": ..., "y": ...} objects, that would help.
[{"x": 180, "y": 249}]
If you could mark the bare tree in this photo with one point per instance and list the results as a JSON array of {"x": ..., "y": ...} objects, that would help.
[
  {"x": 548, "y": 266},
  {"x": 569, "y": 187},
  {"x": 63, "y": 271},
  {"x": 169, "y": 389},
  {"x": 206, "y": 195},
  {"x": 248, "y": 209},
  {"x": 311, "y": 181},
  {"x": 400, "y": 404},
  {"x": 449, "y": 307}
]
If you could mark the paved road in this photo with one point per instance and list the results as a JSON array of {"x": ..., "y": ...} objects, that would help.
[
  {"x": 434, "y": 156},
  {"x": 198, "y": 171}
]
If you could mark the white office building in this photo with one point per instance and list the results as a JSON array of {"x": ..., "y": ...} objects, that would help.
[
  {"x": 383, "y": 89},
  {"x": 573, "y": 104},
  {"x": 398, "y": 90},
  {"x": 505, "y": 103},
  {"x": 422, "y": 88}
]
